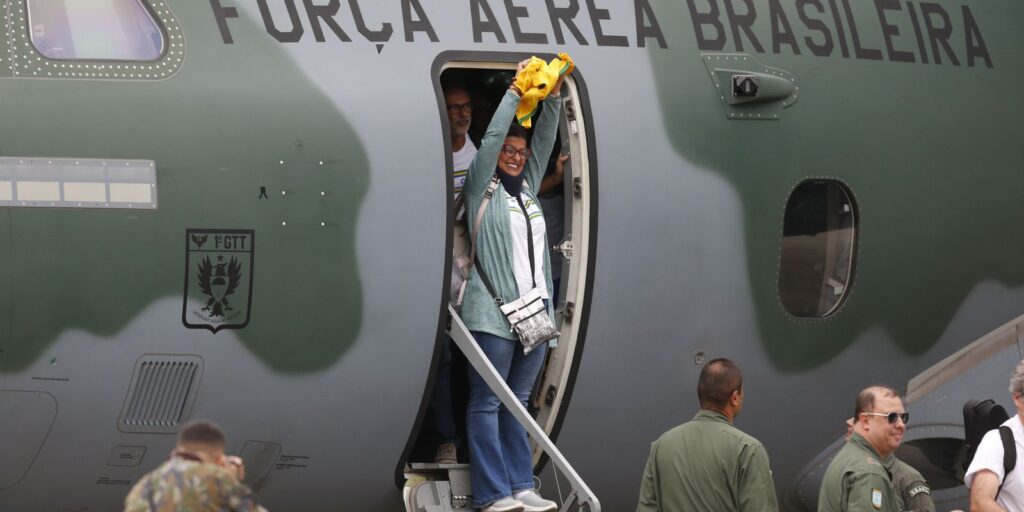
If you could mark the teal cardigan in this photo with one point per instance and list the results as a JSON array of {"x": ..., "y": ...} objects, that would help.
[{"x": 494, "y": 244}]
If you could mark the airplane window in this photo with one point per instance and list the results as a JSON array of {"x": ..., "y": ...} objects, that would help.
[
  {"x": 940, "y": 460},
  {"x": 94, "y": 30},
  {"x": 818, "y": 248}
]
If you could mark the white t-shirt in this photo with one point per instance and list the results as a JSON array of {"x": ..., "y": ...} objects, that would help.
[
  {"x": 990, "y": 456},
  {"x": 461, "y": 160},
  {"x": 520, "y": 248}
]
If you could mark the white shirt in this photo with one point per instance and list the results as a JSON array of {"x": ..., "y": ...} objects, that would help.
[
  {"x": 461, "y": 160},
  {"x": 520, "y": 249},
  {"x": 990, "y": 456}
]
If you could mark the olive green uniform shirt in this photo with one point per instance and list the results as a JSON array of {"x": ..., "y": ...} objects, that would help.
[
  {"x": 857, "y": 481},
  {"x": 909, "y": 486},
  {"x": 707, "y": 464}
]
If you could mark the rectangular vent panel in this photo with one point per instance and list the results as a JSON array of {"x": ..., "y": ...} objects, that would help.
[{"x": 161, "y": 394}]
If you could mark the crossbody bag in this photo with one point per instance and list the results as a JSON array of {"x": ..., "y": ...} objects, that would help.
[{"x": 527, "y": 314}]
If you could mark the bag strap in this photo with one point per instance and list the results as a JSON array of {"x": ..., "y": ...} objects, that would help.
[
  {"x": 1009, "y": 454},
  {"x": 488, "y": 194},
  {"x": 460, "y": 203},
  {"x": 529, "y": 240}
]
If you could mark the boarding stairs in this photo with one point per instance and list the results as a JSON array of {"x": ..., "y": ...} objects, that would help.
[{"x": 446, "y": 487}]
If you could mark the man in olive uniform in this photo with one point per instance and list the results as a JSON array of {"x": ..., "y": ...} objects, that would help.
[
  {"x": 908, "y": 484},
  {"x": 707, "y": 464},
  {"x": 857, "y": 479},
  {"x": 197, "y": 478}
]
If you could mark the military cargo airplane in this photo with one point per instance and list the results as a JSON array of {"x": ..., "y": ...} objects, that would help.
[{"x": 241, "y": 210}]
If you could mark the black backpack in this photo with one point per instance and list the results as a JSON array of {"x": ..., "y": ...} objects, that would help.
[{"x": 981, "y": 417}]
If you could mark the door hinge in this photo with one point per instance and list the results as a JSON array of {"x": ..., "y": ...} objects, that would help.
[{"x": 565, "y": 249}]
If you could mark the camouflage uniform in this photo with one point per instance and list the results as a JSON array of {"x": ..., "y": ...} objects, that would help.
[{"x": 181, "y": 485}]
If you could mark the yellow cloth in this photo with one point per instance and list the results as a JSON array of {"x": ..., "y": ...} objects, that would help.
[{"x": 536, "y": 81}]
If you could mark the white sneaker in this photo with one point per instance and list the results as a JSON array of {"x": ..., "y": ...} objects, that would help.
[
  {"x": 504, "y": 505},
  {"x": 532, "y": 502},
  {"x": 446, "y": 454}
]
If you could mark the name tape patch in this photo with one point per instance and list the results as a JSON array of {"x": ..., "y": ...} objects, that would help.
[{"x": 918, "y": 490}]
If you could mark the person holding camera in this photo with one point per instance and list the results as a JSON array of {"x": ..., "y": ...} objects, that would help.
[{"x": 198, "y": 477}]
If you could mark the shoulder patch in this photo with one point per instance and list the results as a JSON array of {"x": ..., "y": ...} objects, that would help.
[
  {"x": 876, "y": 498},
  {"x": 918, "y": 489},
  {"x": 871, "y": 460}
]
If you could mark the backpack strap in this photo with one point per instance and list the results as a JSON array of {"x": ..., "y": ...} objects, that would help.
[{"x": 1009, "y": 454}]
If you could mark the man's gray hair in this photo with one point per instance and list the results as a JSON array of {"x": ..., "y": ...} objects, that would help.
[{"x": 1017, "y": 380}]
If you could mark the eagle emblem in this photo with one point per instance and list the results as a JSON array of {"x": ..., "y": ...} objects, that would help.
[
  {"x": 218, "y": 283},
  {"x": 218, "y": 278}
]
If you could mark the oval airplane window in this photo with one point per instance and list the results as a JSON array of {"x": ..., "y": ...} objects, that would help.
[
  {"x": 94, "y": 30},
  {"x": 818, "y": 248},
  {"x": 939, "y": 459}
]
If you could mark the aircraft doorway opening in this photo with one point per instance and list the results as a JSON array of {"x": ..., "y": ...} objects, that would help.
[{"x": 469, "y": 91}]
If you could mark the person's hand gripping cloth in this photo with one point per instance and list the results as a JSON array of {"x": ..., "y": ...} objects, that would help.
[{"x": 536, "y": 81}]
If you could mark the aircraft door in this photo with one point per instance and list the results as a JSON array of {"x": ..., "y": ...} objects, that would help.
[{"x": 566, "y": 201}]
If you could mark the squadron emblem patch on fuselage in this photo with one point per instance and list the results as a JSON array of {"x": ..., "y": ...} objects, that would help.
[{"x": 218, "y": 278}]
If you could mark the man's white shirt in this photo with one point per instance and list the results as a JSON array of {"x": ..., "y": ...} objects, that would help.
[
  {"x": 460, "y": 164},
  {"x": 990, "y": 457}
]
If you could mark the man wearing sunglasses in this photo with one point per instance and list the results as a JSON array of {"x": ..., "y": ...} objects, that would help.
[
  {"x": 857, "y": 479},
  {"x": 707, "y": 464},
  {"x": 907, "y": 483}
]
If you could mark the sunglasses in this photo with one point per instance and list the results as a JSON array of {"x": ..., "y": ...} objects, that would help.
[
  {"x": 511, "y": 151},
  {"x": 892, "y": 416}
]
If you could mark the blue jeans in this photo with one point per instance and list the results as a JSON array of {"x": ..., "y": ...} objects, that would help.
[{"x": 499, "y": 451}]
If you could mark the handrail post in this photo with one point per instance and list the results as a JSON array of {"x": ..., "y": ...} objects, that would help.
[{"x": 476, "y": 357}]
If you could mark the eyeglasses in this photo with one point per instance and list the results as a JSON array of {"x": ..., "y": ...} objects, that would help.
[
  {"x": 461, "y": 107},
  {"x": 511, "y": 151},
  {"x": 892, "y": 416}
]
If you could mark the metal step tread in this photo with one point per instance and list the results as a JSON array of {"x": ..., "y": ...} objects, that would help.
[{"x": 432, "y": 467}]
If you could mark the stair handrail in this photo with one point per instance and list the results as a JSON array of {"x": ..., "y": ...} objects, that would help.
[{"x": 476, "y": 357}]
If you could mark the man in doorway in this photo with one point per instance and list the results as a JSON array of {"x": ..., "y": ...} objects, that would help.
[
  {"x": 198, "y": 477},
  {"x": 857, "y": 478},
  {"x": 460, "y": 110},
  {"x": 707, "y": 464},
  {"x": 992, "y": 489}
]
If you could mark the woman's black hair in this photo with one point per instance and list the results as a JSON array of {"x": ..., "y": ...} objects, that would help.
[{"x": 515, "y": 130}]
